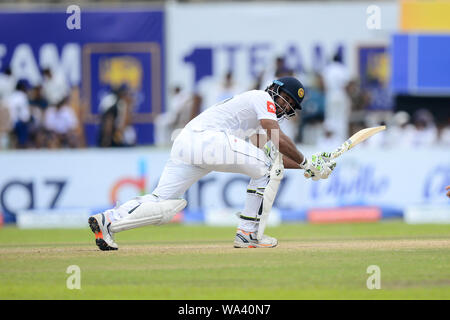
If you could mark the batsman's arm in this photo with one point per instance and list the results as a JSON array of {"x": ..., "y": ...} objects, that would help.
[
  {"x": 286, "y": 146},
  {"x": 288, "y": 163},
  {"x": 259, "y": 140}
]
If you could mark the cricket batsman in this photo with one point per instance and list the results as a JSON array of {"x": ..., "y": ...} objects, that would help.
[{"x": 240, "y": 135}]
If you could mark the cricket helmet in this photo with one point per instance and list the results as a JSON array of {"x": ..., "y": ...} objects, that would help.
[{"x": 292, "y": 87}]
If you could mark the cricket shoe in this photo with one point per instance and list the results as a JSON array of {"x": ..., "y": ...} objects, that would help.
[
  {"x": 245, "y": 239},
  {"x": 104, "y": 238}
]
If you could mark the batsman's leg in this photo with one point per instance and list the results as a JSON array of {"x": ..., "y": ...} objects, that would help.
[
  {"x": 149, "y": 213},
  {"x": 100, "y": 226},
  {"x": 249, "y": 219},
  {"x": 165, "y": 201},
  {"x": 224, "y": 152},
  {"x": 270, "y": 192},
  {"x": 261, "y": 194},
  {"x": 152, "y": 209}
]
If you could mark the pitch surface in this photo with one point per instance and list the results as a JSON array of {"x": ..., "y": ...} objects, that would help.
[{"x": 199, "y": 262}]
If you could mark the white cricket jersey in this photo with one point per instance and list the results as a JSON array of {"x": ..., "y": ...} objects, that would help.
[{"x": 238, "y": 116}]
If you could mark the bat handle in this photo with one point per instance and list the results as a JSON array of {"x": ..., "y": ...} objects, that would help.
[{"x": 339, "y": 151}]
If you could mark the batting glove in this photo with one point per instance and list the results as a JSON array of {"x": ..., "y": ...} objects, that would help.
[{"x": 320, "y": 166}]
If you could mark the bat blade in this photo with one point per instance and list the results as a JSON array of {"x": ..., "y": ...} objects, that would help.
[
  {"x": 355, "y": 139},
  {"x": 364, "y": 134}
]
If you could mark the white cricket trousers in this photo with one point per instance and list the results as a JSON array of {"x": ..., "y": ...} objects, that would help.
[{"x": 196, "y": 153}]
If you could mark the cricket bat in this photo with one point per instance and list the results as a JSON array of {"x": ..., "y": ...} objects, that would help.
[{"x": 355, "y": 139}]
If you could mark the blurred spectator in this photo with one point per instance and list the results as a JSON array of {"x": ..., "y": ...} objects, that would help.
[
  {"x": 184, "y": 108},
  {"x": 336, "y": 79},
  {"x": 281, "y": 70},
  {"x": 166, "y": 123},
  {"x": 312, "y": 113},
  {"x": 54, "y": 86},
  {"x": 444, "y": 136},
  {"x": 20, "y": 114},
  {"x": 5, "y": 126},
  {"x": 127, "y": 98},
  {"x": 37, "y": 98},
  {"x": 196, "y": 108},
  {"x": 115, "y": 124},
  {"x": 7, "y": 83},
  {"x": 399, "y": 130},
  {"x": 359, "y": 100},
  {"x": 258, "y": 82},
  {"x": 405, "y": 131},
  {"x": 226, "y": 88},
  {"x": 38, "y": 105},
  {"x": 378, "y": 140},
  {"x": 328, "y": 140},
  {"x": 426, "y": 133},
  {"x": 277, "y": 70},
  {"x": 62, "y": 123}
]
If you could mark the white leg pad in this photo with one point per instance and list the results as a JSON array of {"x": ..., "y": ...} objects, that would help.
[
  {"x": 270, "y": 192},
  {"x": 149, "y": 213}
]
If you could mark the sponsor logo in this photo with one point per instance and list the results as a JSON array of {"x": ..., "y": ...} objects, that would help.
[
  {"x": 119, "y": 70},
  {"x": 138, "y": 182},
  {"x": 352, "y": 182},
  {"x": 270, "y": 107},
  {"x": 435, "y": 182}
]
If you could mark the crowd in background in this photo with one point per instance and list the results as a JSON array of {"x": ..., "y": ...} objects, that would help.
[
  {"x": 37, "y": 116},
  {"x": 48, "y": 114},
  {"x": 336, "y": 105}
]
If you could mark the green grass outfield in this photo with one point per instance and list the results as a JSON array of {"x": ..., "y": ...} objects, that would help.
[{"x": 199, "y": 262}]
